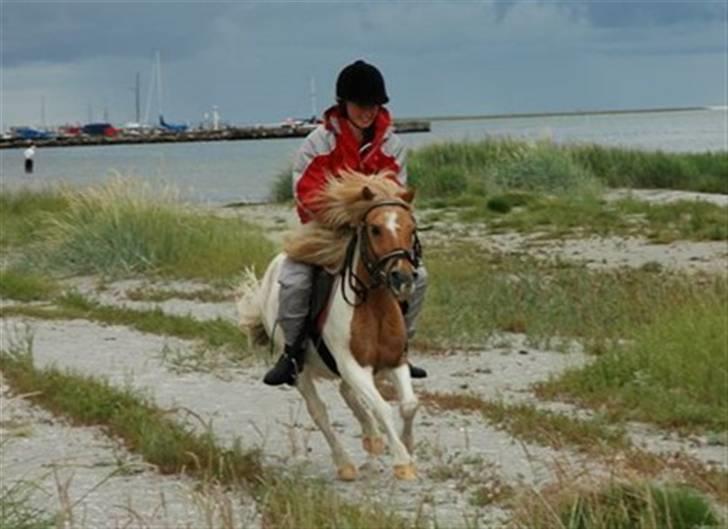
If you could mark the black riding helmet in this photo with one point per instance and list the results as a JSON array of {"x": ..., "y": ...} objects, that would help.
[{"x": 361, "y": 83}]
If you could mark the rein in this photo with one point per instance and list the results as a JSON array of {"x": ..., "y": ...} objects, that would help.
[{"x": 375, "y": 266}]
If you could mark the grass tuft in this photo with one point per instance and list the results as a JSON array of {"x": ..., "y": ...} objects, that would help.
[
  {"x": 122, "y": 229},
  {"x": 673, "y": 372},
  {"x": 286, "y": 505},
  {"x": 25, "y": 286},
  {"x": 632, "y": 505}
]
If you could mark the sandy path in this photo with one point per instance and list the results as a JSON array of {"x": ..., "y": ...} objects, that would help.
[{"x": 103, "y": 485}]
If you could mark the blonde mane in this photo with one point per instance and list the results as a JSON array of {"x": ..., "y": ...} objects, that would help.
[{"x": 339, "y": 207}]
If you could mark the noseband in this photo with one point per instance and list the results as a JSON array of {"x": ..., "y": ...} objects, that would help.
[{"x": 376, "y": 266}]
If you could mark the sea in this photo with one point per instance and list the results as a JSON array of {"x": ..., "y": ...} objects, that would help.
[{"x": 244, "y": 171}]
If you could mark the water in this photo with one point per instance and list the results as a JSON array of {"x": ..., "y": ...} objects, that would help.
[{"x": 221, "y": 172}]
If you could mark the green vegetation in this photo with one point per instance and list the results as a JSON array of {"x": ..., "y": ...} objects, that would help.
[
  {"x": 282, "y": 190},
  {"x": 616, "y": 167},
  {"x": 22, "y": 214},
  {"x": 556, "y": 216},
  {"x": 289, "y": 505},
  {"x": 25, "y": 286},
  {"x": 445, "y": 172},
  {"x": 672, "y": 372},
  {"x": 617, "y": 506},
  {"x": 476, "y": 294},
  {"x": 121, "y": 229},
  {"x": 16, "y": 511}
]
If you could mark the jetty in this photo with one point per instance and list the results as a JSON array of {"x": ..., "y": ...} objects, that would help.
[{"x": 254, "y": 132}]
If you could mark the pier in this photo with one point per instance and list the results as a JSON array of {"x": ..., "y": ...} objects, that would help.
[{"x": 256, "y": 132}]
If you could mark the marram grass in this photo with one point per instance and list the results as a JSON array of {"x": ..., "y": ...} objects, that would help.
[
  {"x": 616, "y": 505},
  {"x": 672, "y": 372},
  {"x": 22, "y": 214},
  {"x": 26, "y": 286},
  {"x": 121, "y": 229},
  {"x": 448, "y": 170}
]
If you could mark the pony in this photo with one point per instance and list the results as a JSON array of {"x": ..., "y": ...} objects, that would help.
[{"x": 365, "y": 231}]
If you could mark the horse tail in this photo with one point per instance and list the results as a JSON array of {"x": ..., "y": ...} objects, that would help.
[{"x": 250, "y": 316}]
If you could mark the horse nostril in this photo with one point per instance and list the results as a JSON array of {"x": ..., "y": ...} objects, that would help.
[{"x": 399, "y": 279}]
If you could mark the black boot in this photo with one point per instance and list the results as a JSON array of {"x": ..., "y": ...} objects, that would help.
[
  {"x": 416, "y": 372},
  {"x": 287, "y": 368}
]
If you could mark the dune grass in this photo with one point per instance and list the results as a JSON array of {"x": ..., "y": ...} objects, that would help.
[
  {"x": 123, "y": 228},
  {"x": 473, "y": 294},
  {"x": 616, "y": 505},
  {"x": 556, "y": 216},
  {"x": 618, "y": 167},
  {"x": 26, "y": 286},
  {"x": 447, "y": 171},
  {"x": 22, "y": 214},
  {"x": 673, "y": 372},
  {"x": 287, "y": 505},
  {"x": 17, "y": 510}
]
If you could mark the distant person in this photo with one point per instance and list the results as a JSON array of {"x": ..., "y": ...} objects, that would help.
[
  {"x": 29, "y": 153},
  {"x": 356, "y": 133}
]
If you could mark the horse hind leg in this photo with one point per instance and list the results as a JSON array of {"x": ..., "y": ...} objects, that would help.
[
  {"x": 345, "y": 469},
  {"x": 372, "y": 440},
  {"x": 408, "y": 404}
]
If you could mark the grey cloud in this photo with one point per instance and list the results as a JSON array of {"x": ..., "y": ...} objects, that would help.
[
  {"x": 56, "y": 32},
  {"x": 616, "y": 14}
]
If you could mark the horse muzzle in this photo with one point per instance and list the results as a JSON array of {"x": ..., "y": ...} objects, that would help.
[{"x": 401, "y": 283}]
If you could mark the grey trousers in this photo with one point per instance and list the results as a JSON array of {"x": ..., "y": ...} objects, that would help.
[{"x": 296, "y": 281}]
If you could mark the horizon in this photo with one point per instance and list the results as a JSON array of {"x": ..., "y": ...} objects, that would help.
[
  {"x": 76, "y": 62},
  {"x": 458, "y": 117}
]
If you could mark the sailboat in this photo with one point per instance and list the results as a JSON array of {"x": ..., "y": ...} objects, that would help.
[{"x": 157, "y": 80}]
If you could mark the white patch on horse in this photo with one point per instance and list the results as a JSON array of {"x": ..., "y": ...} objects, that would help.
[{"x": 391, "y": 222}]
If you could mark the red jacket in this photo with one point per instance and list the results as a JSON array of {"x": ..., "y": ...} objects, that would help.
[{"x": 332, "y": 147}]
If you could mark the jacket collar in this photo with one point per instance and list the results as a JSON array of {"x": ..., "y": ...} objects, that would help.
[{"x": 335, "y": 122}]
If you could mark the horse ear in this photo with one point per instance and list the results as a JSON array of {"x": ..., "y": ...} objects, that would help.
[
  {"x": 366, "y": 193},
  {"x": 408, "y": 195}
]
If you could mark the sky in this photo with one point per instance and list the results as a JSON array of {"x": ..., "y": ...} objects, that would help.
[{"x": 71, "y": 62}]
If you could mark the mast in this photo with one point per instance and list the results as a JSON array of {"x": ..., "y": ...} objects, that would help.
[
  {"x": 42, "y": 111},
  {"x": 136, "y": 99},
  {"x": 159, "y": 84},
  {"x": 314, "y": 111}
]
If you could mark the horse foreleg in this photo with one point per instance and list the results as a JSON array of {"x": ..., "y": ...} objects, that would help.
[
  {"x": 361, "y": 381},
  {"x": 408, "y": 403},
  {"x": 371, "y": 437},
  {"x": 345, "y": 468}
]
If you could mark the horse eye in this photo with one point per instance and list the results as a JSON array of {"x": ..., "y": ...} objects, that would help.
[{"x": 375, "y": 231}]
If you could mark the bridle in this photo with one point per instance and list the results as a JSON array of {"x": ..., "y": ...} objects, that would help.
[{"x": 376, "y": 266}]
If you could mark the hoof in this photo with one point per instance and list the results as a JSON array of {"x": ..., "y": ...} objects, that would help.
[
  {"x": 346, "y": 472},
  {"x": 373, "y": 445},
  {"x": 405, "y": 472}
]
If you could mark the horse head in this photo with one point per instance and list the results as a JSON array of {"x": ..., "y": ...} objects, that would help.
[{"x": 389, "y": 247}]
